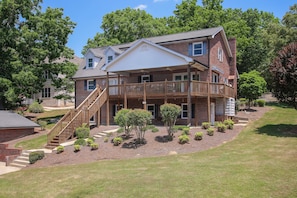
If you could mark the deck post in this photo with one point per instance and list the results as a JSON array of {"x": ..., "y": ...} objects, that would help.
[
  {"x": 208, "y": 101},
  {"x": 107, "y": 100},
  {"x": 125, "y": 96},
  {"x": 189, "y": 95},
  {"x": 165, "y": 91},
  {"x": 144, "y": 96}
]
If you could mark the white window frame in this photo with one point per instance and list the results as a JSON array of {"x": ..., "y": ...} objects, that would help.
[
  {"x": 109, "y": 59},
  {"x": 46, "y": 92},
  {"x": 90, "y": 63},
  {"x": 213, "y": 77},
  {"x": 198, "y": 48},
  {"x": 153, "y": 111},
  {"x": 184, "y": 111},
  {"x": 220, "y": 54},
  {"x": 145, "y": 78},
  {"x": 46, "y": 75},
  {"x": 88, "y": 85},
  {"x": 117, "y": 108}
]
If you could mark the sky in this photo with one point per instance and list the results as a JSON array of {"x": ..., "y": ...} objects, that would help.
[{"x": 88, "y": 14}]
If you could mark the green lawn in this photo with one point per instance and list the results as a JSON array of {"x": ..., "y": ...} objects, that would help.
[
  {"x": 260, "y": 162},
  {"x": 35, "y": 143}
]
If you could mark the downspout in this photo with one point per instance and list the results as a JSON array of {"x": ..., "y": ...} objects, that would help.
[{"x": 189, "y": 95}]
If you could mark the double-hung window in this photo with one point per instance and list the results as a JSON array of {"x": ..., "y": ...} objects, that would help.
[
  {"x": 197, "y": 49},
  {"x": 90, "y": 63},
  {"x": 109, "y": 59},
  {"x": 220, "y": 54},
  {"x": 46, "y": 92},
  {"x": 91, "y": 85}
]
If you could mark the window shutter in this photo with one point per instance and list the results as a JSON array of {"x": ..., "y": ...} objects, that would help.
[
  {"x": 190, "y": 49},
  {"x": 85, "y": 85},
  {"x": 151, "y": 78},
  {"x": 204, "y": 47},
  {"x": 193, "y": 111},
  {"x": 95, "y": 84},
  {"x": 139, "y": 79},
  {"x": 113, "y": 110}
]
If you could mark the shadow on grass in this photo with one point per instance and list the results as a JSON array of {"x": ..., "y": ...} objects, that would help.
[
  {"x": 279, "y": 130},
  {"x": 279, "y": 104}
]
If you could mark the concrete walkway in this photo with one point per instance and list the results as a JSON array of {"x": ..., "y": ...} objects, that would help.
[{"x": 7, "y": 169}]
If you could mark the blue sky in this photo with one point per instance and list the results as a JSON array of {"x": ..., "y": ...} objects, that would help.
[{"x": 88, "y": 14}]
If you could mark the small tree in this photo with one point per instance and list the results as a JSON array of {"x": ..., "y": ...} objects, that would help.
[
  {"x": 140, "y": 118},
  {"x": 122, "y": 120},
  {"x": 283, "y": 70},
  {"x": 251, "y": 85},
  {"x": 169, "y": 114}
]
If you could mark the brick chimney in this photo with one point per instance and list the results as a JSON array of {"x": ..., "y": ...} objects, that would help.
[{"x": 233, "y": 68}]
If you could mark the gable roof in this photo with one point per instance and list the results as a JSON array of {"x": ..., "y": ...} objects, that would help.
[
  {"x": 13, "y": 120},
  {"x": 144, "y": 55}
]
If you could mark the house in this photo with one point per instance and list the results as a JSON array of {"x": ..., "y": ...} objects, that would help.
[
  {"x": 13, "y": 126},
  {"x": 49, "y": 91},
  {"x": 196, "y": 70}
]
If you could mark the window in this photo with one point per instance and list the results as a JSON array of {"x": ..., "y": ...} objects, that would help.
[
  {"x": 151, "y": 108},
  {"x": 109, "y": 59},
  {"x": 145, "y": 78},
  {"x": 46, "y": 74},
  {"x": 184, "y": 113},
  {"x": 215, "y": 78},
  {"x": 220, "y": 54},
  {"x": 117, "y": 107},
  {"x": 90, "y": 63},
  {"x": 91, "y": 85},
  {"x": 197, "y": 49},
  {"x": 46, "y": 92}
]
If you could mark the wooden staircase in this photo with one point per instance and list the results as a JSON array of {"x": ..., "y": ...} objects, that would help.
[{"x": 65, "y": 128}]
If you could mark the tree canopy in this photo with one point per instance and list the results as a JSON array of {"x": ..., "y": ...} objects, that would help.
[
  {"x": 284, "y": 74},
  {"x": 32, "y": 42}
]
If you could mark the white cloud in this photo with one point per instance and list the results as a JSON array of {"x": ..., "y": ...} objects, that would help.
[
  {"x": 141, "y": 7},
  {"x": 155, "y": 1}
]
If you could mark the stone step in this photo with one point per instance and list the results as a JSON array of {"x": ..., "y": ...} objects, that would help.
[
  {"x": 17, "y": 165},
  {"x": 22, "y": 157},
  {"x": 20, "y": 161}
]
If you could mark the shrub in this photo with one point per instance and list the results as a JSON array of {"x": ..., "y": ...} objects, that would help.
[
  {"x": 169, "y": 113},
  {"x": 80, "y": 141},
  {"x": 90, "y": 140},
  {"x": 260, "y": 102},
  {"x": 42, "y": 124},
  {"x": 60, "y": 149},
  {"x": 198, "y": 136},
  {"x": 106, "y": 139},
  {"x": 35, "y": 107},
  {"x": 94, "y": 146},
  {"x": 155, "y": 129},
  {"x": 82, "y": 132},
  {"x": 205, "y": 125},
  {"x": 123, "y": 121},
  {"x": 210, "y": 131},
  {"x": 186, "y": 130},
  {"x": 117, "y": 141},
  {"x": 229, "y": 123},
  {"x": 221, "y": 127},
  {"x": 76, "y": 147},
  {"x": 36, "y": 155},
  {"x": 183, "y": 139}
]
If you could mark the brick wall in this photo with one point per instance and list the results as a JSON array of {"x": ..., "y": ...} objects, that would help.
[
  {"x": 7, "y": 154},
  {"x": 11, "y": 134}
]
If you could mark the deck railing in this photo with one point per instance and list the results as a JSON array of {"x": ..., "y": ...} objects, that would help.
[{"x": 173, "y": 88}]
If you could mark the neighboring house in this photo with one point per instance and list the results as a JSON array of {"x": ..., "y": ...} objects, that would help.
[
  {"x": 196, "y": 70},
  {"x": 13, "y": 126},
  {"x": 48, "y": 92}
]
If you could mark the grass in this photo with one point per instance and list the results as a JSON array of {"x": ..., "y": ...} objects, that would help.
[
  {"x": 52, "y": 114},
  {"x": 260, "y": 162},
  {"x": 35, "y": 143}
]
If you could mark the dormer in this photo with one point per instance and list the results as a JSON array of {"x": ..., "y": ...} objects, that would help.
[
  {"x": 111, "y": 53},
  {"x": 92, "y": 59}
]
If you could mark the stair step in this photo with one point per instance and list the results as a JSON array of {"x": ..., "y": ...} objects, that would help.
[
  {"x": 97, "y": 136},
  {"x": 21, "y": 157},
  {"x": 20, "y": 161},
  {"x": 102, "y": 134},
  {"x": 17, "y": 165}
]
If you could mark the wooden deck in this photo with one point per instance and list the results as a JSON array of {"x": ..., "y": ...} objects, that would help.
[{"x": 170, "y": 89}]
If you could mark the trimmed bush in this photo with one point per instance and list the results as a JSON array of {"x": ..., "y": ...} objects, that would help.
[
  {"x": 42, "y": 124},
  {"x": 35, "y": 107},
  {"x": 183, "y": 139},
  {"x": 90, "y": 141},
  {"x": 198, "y": 136},
  {"x": 205, "y": 125},
  {"x": 117, "y": 141},
  {"x": 260, "y": 102},
  {"x": 155, "y": 129},
  {"x": 229, "y": 123},
  {"x": 80, "y": 141},
  {"x": 76, "y": 147},
  {"x": 94, "y": 146},
  {"x": 221, "y": 127},
  {"x": 106, "y": 139},
  {"x": 82, "y": 132},
  {"x": 36, "y": 155},
  {"x": 60, "y": 149},
  {"x": 186, "y": 130},
  {"x": 210, "y": 131}
]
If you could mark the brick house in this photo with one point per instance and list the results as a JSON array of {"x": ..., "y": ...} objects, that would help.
[{"x": 196, "y": 70}]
